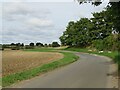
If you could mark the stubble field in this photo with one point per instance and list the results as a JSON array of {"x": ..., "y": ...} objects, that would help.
[{"x": 18, "y": 61}]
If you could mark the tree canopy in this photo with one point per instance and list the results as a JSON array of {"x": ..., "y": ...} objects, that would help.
[{"x": 102, "y": 31}]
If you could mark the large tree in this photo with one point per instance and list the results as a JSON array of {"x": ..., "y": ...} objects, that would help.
[
  {"x": 78, "y": 33},
  {"x": 102, "y": 31},
  {"x": 103, "y": 25}
]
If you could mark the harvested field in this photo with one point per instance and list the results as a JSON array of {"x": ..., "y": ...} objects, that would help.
[
  {"x": 17, "y": 61},
  {"x": 0, "y": 64}
]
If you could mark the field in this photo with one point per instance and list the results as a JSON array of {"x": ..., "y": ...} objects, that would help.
[
  {"x": 23, "y": 65},
  {"x": 18, "y": 61}
]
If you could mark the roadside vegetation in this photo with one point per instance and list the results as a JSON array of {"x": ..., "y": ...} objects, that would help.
[
  {"x": 97, "y": 35},
  {"x": 101, "y": 33},
  {"x": 27, "y": 74},
  {"x": 115, "y": 55}
]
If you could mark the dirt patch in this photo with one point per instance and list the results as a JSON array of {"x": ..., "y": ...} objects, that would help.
[{"x": 17, "y": 61}]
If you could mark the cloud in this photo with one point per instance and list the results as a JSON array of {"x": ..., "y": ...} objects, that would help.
[
  {"x": 38, "y": 0},
  {"x": 43, "y": 22},
  {"x": 37, "y": 22},
  {"x": 27, "y": 15},
  {"x": 19, "y": 10}
]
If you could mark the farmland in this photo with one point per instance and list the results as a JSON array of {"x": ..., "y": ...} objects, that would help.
[
  {"x": 22, "y": 65},
  {"x": 18, "y": 61}
]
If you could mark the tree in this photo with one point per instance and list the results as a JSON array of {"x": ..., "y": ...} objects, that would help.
[
  {"x": 102, "y": 31},
  {"x": 55, "y": 44},
  {"x": 113, "y": 10},
  {"x": 103, "y": 25},
  {"x": 22, "y": 45},
  {"x": 15, "y": 46},
  {"x": 18, "y": 44},
  {"x": 77, "y": 33},
  {"x": 45, "y": 45},
  {"x": 39, "y": 44},
  {"x": 12, "y": 44},
  {"x": 31, "y": 44},
  {"x": 50, "y": 45}
]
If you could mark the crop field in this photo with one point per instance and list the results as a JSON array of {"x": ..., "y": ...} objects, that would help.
[
  {"x": 0, "y": 65},
  {"x": 18, "y": 61}
]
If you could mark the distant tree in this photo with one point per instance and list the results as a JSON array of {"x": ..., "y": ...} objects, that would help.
[
  {"x": 31, "y": 44},
  {"x": 15, "y": 46},
  {"x": 12, "y": 44},
  {"x": 39, "y": 44},
  {"x": 50, "y": 45},
  {"x": 45, "y": 45},
  {"x": 22, "y": 45},
  {"x": 18, "y": 44},
  {"x": 55, "y": 44}
]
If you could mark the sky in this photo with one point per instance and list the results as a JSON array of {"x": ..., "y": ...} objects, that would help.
[{"x": 28, "y": 21}]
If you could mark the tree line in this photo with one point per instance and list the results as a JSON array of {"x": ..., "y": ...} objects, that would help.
[
  {"x": 17, "y": 46},
  {"x": 101, "y": 32}
]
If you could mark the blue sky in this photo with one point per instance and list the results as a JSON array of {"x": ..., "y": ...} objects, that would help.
[{"x": 40, "y": 21}]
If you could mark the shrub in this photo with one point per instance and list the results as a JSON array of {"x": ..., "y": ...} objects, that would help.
[
  {"x": 117, "y": 59},
  {"x": 98, "y": 44}
]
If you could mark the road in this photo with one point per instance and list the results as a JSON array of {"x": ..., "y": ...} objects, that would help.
[{"x": 89, "y": 71}]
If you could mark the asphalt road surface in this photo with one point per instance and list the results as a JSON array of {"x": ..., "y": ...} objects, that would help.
[{"x": 89, "y": 71}]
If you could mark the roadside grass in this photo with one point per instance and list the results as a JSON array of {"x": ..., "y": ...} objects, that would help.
[
  {"x": 115, "y": 55},
  {"x": 0, "y": 81},
  {"x": 13, "y": 78}
]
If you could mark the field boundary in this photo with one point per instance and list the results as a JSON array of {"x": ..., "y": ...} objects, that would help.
[{"x": 14, "y": 78}]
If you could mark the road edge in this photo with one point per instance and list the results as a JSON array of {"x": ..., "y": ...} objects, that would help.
[{"x": 113, "y": 78}]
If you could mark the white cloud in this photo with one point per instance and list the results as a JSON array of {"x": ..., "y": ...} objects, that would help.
[
  {"x": 26, "y": 14},
  {"x": 36, "y": 22},
  {"x": 44, "y": 22},
  {"x": 16, "y": 10},
  {"x": 38, "y": 0}
]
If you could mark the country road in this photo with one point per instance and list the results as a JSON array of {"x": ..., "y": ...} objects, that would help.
[{"x": 90, "y": 71}]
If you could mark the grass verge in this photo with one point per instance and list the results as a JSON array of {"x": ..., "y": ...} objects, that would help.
[
  {"x": 115, "y": 55},
  {"x": 0, "y": 82},
  {"x": 13, "y": 78}
]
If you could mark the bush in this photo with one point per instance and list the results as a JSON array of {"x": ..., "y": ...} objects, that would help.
[
  {"x": 109, "y": 43},
  {"x": 98, "y": 44},
  {"x": 117, "y": 59}
]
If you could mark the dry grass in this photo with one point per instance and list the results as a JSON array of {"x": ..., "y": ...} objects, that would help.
[{"x": 17, "y": 61}]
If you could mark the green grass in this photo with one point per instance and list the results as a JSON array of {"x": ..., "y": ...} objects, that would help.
[
  {"x": 0, "y": 81},
  {"x": 13, "y": 78},
  {"x": 77, "y": 49},
  {"x": 115, "y": 55},
  {"x": 105, "y": 53}
]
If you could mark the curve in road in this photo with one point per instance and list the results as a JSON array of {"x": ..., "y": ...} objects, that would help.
[{"x": 89, "y": 71}]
